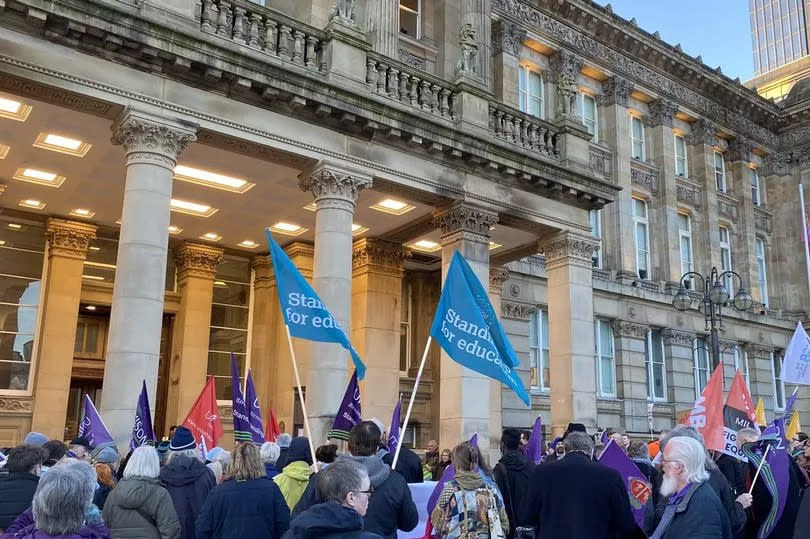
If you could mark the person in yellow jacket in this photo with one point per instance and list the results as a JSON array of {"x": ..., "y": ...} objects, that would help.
[{"x": 294, "y": 478}]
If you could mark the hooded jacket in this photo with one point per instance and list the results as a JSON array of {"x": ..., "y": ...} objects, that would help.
[
  {"x": 252, "y": 509},
  {"x": 16, "y": 493},
  {"x": 188, "y": 481},
  {"x": 293, "y": 481},
  {"x": 512, "y": 475},
  {"x": 391, "y": 508},
  {"x": 139, "y": 508},
  {"x": 329, "y": 521}
]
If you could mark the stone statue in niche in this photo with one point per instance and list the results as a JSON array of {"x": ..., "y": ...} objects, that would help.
[
  {"x": 566, "y": 67},
  {"x": 467, "y": 49},
  {"x": 343, "y": 10}
]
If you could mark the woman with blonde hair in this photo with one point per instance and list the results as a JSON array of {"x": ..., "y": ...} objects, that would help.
[{"x": 246, "y": 504}]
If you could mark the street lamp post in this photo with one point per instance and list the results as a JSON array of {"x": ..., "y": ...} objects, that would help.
[{"x": 715, "y": 296}]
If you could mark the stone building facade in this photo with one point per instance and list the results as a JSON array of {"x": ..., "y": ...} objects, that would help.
[{"x": 579, "y": 163}]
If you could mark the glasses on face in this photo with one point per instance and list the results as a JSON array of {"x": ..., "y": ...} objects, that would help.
[
  {"x": 368, "y": 492},
  {"x": 667, "y": 461}
]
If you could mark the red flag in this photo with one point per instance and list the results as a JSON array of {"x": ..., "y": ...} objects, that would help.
[
  {"x": 707, "y": 414},
  {"x": 740, "y": 399},
  {"x": 271, "y": 430},
  {"x": 203, "y": 419}
]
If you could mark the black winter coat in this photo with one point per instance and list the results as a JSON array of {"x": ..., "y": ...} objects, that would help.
[
  {"x": 723, "y": 490},
  {"x": 802, "y": 530},
  {"x": 513, "y": 476},
  {"x": 188, "y": 481},
  {"x": 16, "y": 494},
  {"x": 577, "y": 497},
  {"x": 329, "y": 521},
  {"x": 699, "y": 515},
  {"x": 242, "y": 509},
  {"x": 281, "y": 462},
  {"x": 734, "y": 470},
  {"x": 761, "y": 506},
  {"x": 409, "y": 465}
]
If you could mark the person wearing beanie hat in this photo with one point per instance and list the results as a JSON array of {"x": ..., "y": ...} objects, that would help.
[
  {"x": 35, "y": 438},
  {"x": 182, "y": 440},
  {"x": 80, "y": 448},
  {"x": 294, "y": 478},
  {"x": 163, "y": 451},
  {"x": 105, "y": 462},
  {"x": 284, "y": 440}
]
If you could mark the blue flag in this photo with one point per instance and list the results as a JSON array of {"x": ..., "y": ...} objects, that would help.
[
  {"x": 142, "y": 431},
  {"x": 393, "y": 431},
  {"x": 467, "y": 329},
  {"x": 92, "y": 427},
  {"x": 254, "y": 411},
  {"x": 304, "y": 313},
  {"x": 349, "y": 414},
  {"x": 241, "y": 421}
]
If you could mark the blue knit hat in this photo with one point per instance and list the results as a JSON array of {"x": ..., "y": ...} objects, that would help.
[
  {"x": 35, "y": 438},
  {"x": 182, "y": 440},
  {"x": 107, "y": 455}
]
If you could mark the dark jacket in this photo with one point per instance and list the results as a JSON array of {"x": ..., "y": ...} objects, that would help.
[
  {"x": 24, "y": 527},
  {"x": 139, "y": 508},
  {"x": 513, "y": 476},
  {"x": 281, "y": 462},
  {"x": 240, "y": 509},
  {"x": 723, "y": 490},
  {"x": 734, "y": 470},
  {"x": 391, "y": 508},
  {"x": 16, "y": 493},
  {"x": 188, "y": 481},
  {"x": 329, "y": 521},
  {"x": 409, "y": 465},
  {"x": 270, "y": 470},
  {"x": 761, "y": 506},
  {"x": 699, "y": 515},
  {"x": 577, "y": 497},
  {"x": 101, "y": 495},
  {"x": 802, "y": 530}
]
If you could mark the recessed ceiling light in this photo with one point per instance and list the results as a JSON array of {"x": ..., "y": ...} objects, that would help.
[
  {"x": 4, "y": 149},
  {"x": 82, "y": 212},
  {"x": 14, "y": 110},
  {"x": 32, "y": 203},
  {"x": 248, "y": 244},
  {"x": 211, "y": 179},
  {"x": 40, "y": 177},
  {"x": 2, "y": 242},
  {"x": 173, "y": 229},
  {"x": 288, "y": 229},
  {"x": 94, "y": 248},
  {"x": 311, "y": 206},
  {"x": 493, "y": 245},
  {"x": 99, "y": 265},
  {"x": 192, "y": 208},
  {"x": 392, "y": 206},
  {"x": 211, "y": 236},
  {"x": 15, "y": 226},
  {"x": 93, "y": 277},
  {"x": 220, "y": 284},
  {"x": 426, "y": 246},
  {"x": 66, "y": 145},
  {"x": 91, "y": 307},
  {"x": 358, "y": 229}
]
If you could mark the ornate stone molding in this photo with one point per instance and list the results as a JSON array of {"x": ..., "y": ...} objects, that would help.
[
  {"x": 763, "y": 221},
  {"x": 379, "y": 256},
  {"x": 644, "y": 179},
  {"x": 264, "y": 277},
  {"x": 625, "y": 328},
  {"x": 615, "y": 91},
  {"x": 334, "y": 186},
  {"x": 566, "y": 247},
  {"x": 688, "y": 195},
  {"x": 662, "y": 112},
  {"x": 740, "y": 149},
  {"x": 464, "y": 221},
  {"x": 507, "y": 37},
  {"x": 757, "y": 350},
  {"x": 152, "y": 140},
  {"x": 497, "y": 276},
  {"x": 727, "y": 206},
  {"x": 565, "y": 67},
  {"x": 15, "y": 404},
  {"x": 702, "y": 132},
  {"x": 69, "y": 239},
  {"x": 517, "y": 311},
  {"x": 410, "y": 59},
  {"x": 679, "y": 338},
  {"x": 195, "y": 260},
  {"x": 776, "y": 164}
]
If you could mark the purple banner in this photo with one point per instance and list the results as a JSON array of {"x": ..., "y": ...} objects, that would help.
[
  {"x": 534, "y": 449},
  {"x": 254, "y": 411},
  {"x": 638, "y": 487},
  {"x": 142, "y": 431},
  {"x": 92, "y": 427},
  {"x": 241, "y": 421},
  {"x": 349, "y": 413},
  {"x": 775, "y": 471},
  {"x": 393, "y": 430}
]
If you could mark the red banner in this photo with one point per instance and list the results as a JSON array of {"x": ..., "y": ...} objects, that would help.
[
  {"x": 707, "y": 414},
  {"x": 271, "y": 430},
  {"x": 203, "y": 419}
]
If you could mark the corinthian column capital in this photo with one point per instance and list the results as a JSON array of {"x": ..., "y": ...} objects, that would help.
[
  {"x": 565, "y": 247},
  {"x": 464, "y": 220},
  {"x": 195, "y": 260},
  {"x": 334, "y": 186},
  {"x": 69, "y": 239},
  {"x": 151, "y": 139}
]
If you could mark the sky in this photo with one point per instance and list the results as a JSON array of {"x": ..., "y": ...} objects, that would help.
[{"x": 718, "y": 30}]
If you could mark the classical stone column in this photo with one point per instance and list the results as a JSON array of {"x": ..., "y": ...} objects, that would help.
[
  {"x": 68, "y": 242},
  {"x": 706, "y": 229},
  {"x": 679, "y": 363},
  {"x": 265, "y": 331},
  {"x": 630, "y": 349},
  {"x": 336, "y": 189},
  {"x": 196, "y": 268},
  {"x": 381, "y": 20},
  {"x": 152, "y": 145},
  {"x": 497, "y": 277},
  {"x": 507, "y": 41},
  {"x": 760, "y": 375},
  {"x": 571, "y": 344},
  {"x": 742, "y": 232},
  {"x": 464, "y": 399},
  {"x": 376, "y": 316}
]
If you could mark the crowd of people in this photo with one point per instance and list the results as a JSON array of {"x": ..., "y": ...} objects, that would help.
[{"x": 49, "y": 489}]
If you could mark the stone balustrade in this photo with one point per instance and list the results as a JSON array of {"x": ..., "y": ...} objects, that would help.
[
  {"x": 519, "y": 128},
  {"x": 258, "y": 27}
]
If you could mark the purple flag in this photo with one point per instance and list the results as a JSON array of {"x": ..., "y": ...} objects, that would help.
[
  {"x": 448, "y": 475},
  {"x": 2, "y": 456},
  {"x": 92, "y": 427},
  {"x": 775, "y": 471},
  {"x": 638, "y": 487},
  {"x": 142, "y": 431},
  {"x": 349, "y": 413},
  {"x": 603, "y": 438},
  {"x": 393, "y": 435},
  {"x": 555, "y": 442},
  {"x": 255, "y": 413},
  {"x": 241, "y": 421},
  {"x": 534, "y": 449}
]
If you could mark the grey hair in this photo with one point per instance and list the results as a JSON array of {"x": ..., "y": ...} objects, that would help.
[
  {"x": 217, "y": 469},
  {"x": 578, "y": 441},
  {"x": 284, "y": 440},
  {"x": 62, "y": 497},
  {"x": 340, "y": 478},
  {"x": 685, "y": 431},
  {"x": 747, "y": 434},
  {"x": 270, "y": 452},
  {"x": 191, "y": 453},
  {"x": 143, "y": 462},
  {"x": 692, "y": 456}
]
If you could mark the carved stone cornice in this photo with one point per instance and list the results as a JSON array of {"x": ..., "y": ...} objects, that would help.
[
  {"x": 661, "y": 112},
  {"x": 644, "y": 177},
  {"x": 69, "y": 239},
  {"x": 150, "y": 139},
  {"x": 15, "y": 404},
  {"x": 195, "y": 260},
  {"x": 410, "y": 59},
  {"x": 263, "y": 274},
  {"x": 564, "y": 247},
  {"x": 378, "y": 256},
  {"x": 727, "y": 206},
  {"x": 757, "y": 350},
  {"x": 763, "y": 220},
  {"x": 679, "y": 338},
  {"x": 688, "y": 195},
  {"x": 566, "y": 64},
  {"x": 464, "y": 221},
  {"x": 776, "y": 164},
  {"x": 625, "y": 328},
  {"x": 517, "y": 311},
  {"x": 615, "y": 91},
  {"x": 334, "y": 186},
  {"x": 740, "y": 149},
  {"x": 497, "y": 276},
  {"x": 702, "y": 132},
  {"x": 507, "y": 37}
]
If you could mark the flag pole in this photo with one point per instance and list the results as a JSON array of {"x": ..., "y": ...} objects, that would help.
[
  {"x": 410, "y": 404},
  {"x": 756, "y": 475},
  {"x": 300, "y": 393}
]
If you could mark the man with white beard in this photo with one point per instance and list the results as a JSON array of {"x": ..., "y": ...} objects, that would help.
[{"x": 693, "y": 509}]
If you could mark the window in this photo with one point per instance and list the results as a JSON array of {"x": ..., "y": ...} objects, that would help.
[
  {"x": 405, "y": 329},
  {"x": 681, "y": 163},
  {"x": 719, "y": 172},
  {"x": 656, "y": 371},
  {"x": 725, "y": 258},
  {"x": 640, "y": 231},
  {"x": 410, "y": 18},
  {"x": 589, "y": 113},
  {"x": 637, "y": 137},
  {"x": 605, "y": 364},
  {"x": 741, "y": 363},
  {"x": 701, "y": 359},
  {"x": 530, "y": 91},
  {"x": 755, "y": 191},
  {"x": 685, "y": 234},
  {"x": 596, "y": 230},
  {"x": 91, "y": 335},
  {"x": 538, "y": 350},
  {"x": 762, "y": 272},
  {"x": 778, "y": 384}
]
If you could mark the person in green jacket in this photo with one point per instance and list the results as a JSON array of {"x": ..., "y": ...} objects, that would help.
[{"x": 294, "y": 478}]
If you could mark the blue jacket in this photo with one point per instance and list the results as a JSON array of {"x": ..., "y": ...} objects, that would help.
[
  {"x": 271, "y": 470},
  {"x": 699, "y": 515},
  {"x": 240, "y": 509},
  {"x": 328, "y": 521},
  {"x": 188, "y": 481}
]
